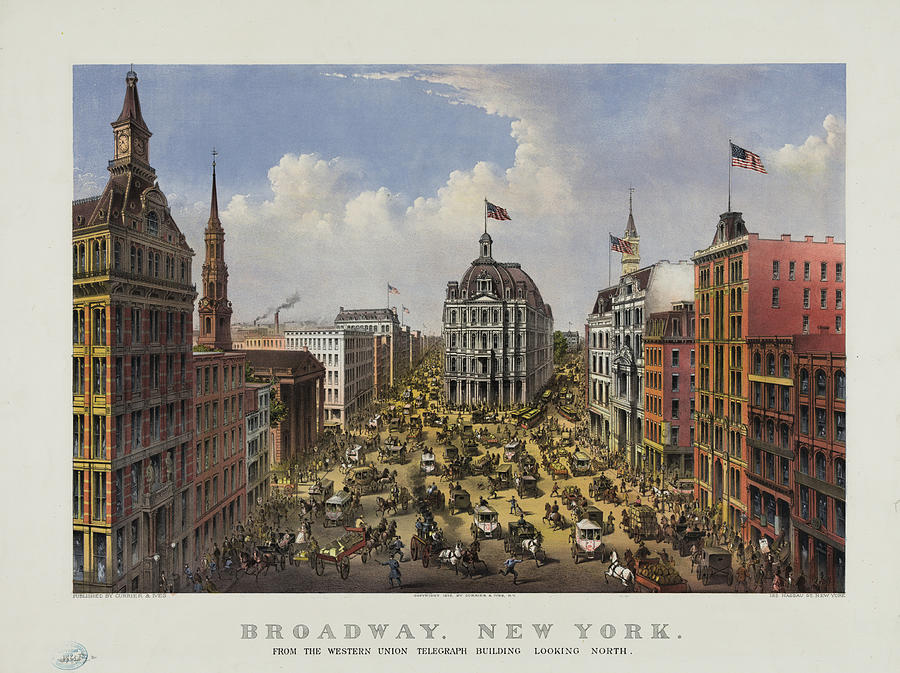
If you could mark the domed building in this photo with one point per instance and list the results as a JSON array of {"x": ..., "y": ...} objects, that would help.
[{"x": 498, "y": 334}]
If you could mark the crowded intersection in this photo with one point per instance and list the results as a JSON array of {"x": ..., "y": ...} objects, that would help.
[{"x": 421, "y": 497}]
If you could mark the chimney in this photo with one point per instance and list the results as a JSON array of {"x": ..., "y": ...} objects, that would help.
[
  {"x": 785, "y": 237},
  {"x": 829, "y": 239},
  {"x": 808, "y": 239},
  {"x": 276, "y": 322}
]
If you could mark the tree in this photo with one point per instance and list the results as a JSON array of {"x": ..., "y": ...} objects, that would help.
[
  {"x": 560, "y": 347},
  {"x": 277, "y": 412}
]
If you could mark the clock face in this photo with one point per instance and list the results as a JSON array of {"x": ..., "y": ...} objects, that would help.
[{"x": 123, "y": 142}]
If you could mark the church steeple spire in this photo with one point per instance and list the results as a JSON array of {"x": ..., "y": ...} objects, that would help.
[
  {"x": 631, "y": 262},
  {"x": 215, "y": 308}
]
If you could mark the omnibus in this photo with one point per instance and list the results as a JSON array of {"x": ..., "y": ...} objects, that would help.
[{"x": 531, "y": 418}]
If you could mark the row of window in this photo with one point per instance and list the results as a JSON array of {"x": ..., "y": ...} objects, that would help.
[
  {"x": 207, "y": 494},
  {"x": 823, "y": 271},
  {"x": 138, "y": 334},
  {"x": 823, "y": 298},
  {"x": 207, "y": 379},
  {"x": 472, "y": 365},
  {"x": 484, "y": 316}
]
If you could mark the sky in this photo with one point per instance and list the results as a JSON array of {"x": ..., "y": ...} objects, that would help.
[{"x": 334, "y": 181}]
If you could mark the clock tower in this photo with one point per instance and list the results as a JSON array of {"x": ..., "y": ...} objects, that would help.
[
  {"x": 132, "y": 137},
  {"x": 215, "y": 309}
]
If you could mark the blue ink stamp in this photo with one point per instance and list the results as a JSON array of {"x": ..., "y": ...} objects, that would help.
[{"x": 70, "y": 656}]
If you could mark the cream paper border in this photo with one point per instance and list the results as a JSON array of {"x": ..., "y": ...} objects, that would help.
[{"x": 40, "y": 44}]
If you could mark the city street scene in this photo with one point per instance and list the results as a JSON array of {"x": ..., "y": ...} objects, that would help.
[{"x": 301, "y": 365}]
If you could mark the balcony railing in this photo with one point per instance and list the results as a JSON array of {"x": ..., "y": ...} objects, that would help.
[
  {"x": 106, "y": 270},
  {"x": 157, "y": 495}
]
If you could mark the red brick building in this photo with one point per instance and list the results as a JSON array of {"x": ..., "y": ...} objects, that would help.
[
  {"x": 669, "y": 390},
  {"x": 220, "y": 448},
  {"x": 820, "y": 512},
  {"x": 750, "y": 287}
]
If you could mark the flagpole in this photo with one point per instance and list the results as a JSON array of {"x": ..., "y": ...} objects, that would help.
[
  {"x": 608, "y": 259},
  {"x": 729, "y": 174},
  {"x": 485, "y": 214}
]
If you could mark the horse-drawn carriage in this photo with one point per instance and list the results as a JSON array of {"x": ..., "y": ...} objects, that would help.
[
  {"x": 429, "y": 464},
  {"x": 527, "y": 487},
  {"x": 581, "y": 464},
  {"x": 459, "y": 501},
  {"x": 641, "y": 522},
  {"x": 482, "y": 465},
  {"x": 338, "y": 509},
  {"x": 599, "y": 485},
  {"x": 571, "y": 496},
  {"x": 321, "y": 491},
  {"x": 587, "y": 541},
  {"x": 354, "y": 455},
  {"x": 511, "y": 450},
  {"x": 683, "y": 539},
  {"x": 365, "y": 477},
  {"x": 715, "y": 561},
  {"x": 395, "y": 453},
  {"x": 523, "y": 538},
  {"x": 557, "y": 470},
  {"x": 340, "y": 551},
  {"x": 485, "y": 523},
  {"x": 469, "y": 447},
  {"x": 451, "y": 453},
  {"x": 432, "y": 498},
  {"x": 656, "y": 576},
  {"x": 528, "y": 464},
  {"x": 504, "y": 478}
]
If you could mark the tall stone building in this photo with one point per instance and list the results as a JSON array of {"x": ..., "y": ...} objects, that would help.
[
  {"x": 498, "y": 334},
  {"x": 132, "y": 379}
]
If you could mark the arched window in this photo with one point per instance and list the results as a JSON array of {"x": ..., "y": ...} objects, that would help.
[
  {"x": 133, "y": 259},
  {"x": 820, "y": 383},
  {"x": 156, "y": 265},
  {"x": 182, "y": 271},
  {"x": 757, "y": 428},
  {"x": 212, "y": 290},
  {"x": 95, "y": 255},
  {"x": 453, "y": 317},
  {"x": 207, "y": 326},
  {"x": 140, "y": 260},
  {"x": 820, "y": 466},
  {"x": 840, "y": 385},
  {"x": 785, "y": 366},
  {"x": 785, "y": 436},
  {"x": 757, "y": 363},
  {"x": 770, "y": 365},
  {"x": 117, "y": 255},
  {"x": 804, "y": 381},
  {"x": 840, "y": 472},
  {"x": 82, "y": 265},
  {"x": 770, "y": 432},
  {"x": 74, "y": 259},
  {"x": 804, "y": 460},
  {"x": 152, "y": 223},
  {"x": 103, "y": 261}
]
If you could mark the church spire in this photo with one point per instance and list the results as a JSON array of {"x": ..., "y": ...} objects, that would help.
[
  {"x": 214, "y": 222},
  {"x": 215, "y": 308},
  {"x": 631, "y": 262}
]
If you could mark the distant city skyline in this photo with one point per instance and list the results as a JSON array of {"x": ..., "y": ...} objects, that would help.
[{"x": 335, "y": 180}]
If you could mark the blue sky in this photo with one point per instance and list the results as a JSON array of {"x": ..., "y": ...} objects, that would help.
[{"x": 335, "y": 180}]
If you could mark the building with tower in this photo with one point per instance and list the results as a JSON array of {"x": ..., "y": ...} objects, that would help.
[
  {"x": 498, "y": 334},
  {"x": 631, "y": 261},
  {"x": 133, "y": 375},
  {"x": 220, "y": 440}
]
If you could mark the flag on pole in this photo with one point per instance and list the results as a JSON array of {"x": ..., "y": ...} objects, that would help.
[
  {"x": 405, "y": 310},
  {"x": 392, "y": 289},
  {"x": 496, "y": 212},
  {"x": 620, "y": 245},
  {"x": 744, "y": 159}
]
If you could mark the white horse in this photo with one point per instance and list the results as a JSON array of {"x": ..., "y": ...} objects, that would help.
[
  {"x": 532, "y": 547},
  {"x": 451, "y": 557},
  {"x": 618, "y": 571}
]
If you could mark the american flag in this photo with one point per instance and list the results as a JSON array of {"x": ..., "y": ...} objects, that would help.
[
  {"x": 617, "y": 244},
  {"x": 392, "y": 289},
  {"x": 405, "y": 310},
  {"x": 496, "y": 212},
  {"x": 744, "y": 159}
]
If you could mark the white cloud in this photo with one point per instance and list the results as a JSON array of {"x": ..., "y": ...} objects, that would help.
[
  {"x": 818, "y": 153},
  {"x": 86, "y": 184}
]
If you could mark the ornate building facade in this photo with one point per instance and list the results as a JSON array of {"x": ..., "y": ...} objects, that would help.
[
  {"x": 498, "y": 334},
  {"x": 133, "y": 457}
]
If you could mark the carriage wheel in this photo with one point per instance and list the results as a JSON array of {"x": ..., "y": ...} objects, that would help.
[
  {"x": 426, "y": 558},
  {"x": 312, "y": 561},
  {"x": 365, "y": 557},
  {"x": 414, "y": 551},
  {"x": 320, "y": 567},
  {"x": 575, "y": 554},
  {"x": 344, "y": 568},
  {"x": 706, "y": 578},
  {"x": 730, "y": 578}
]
